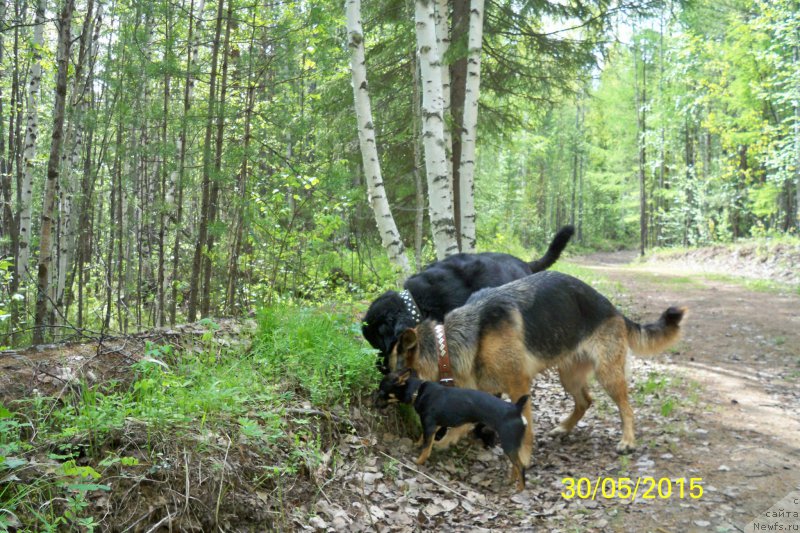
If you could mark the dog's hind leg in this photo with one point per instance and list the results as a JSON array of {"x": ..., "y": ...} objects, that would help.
[
  {"x": 610, "y": 373},
  {"x": 452, "y": 436},
  {"x": 573, "y": 378}
]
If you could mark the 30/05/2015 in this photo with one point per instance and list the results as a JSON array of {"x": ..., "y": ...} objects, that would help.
[{"x": 625, "y": 488}]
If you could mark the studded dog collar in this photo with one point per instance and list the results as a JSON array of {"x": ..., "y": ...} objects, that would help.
[
  {"x": 445, "y": 372},
  {"x": 411, "y": 306}
]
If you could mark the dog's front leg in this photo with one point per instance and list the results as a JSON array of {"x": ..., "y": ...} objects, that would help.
[
  {"x": 427, "y": 443},
  {"x": 517, "y": 473}
]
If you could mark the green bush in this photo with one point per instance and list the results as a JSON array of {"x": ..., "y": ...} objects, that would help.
[{"x": 317, "y": 351}]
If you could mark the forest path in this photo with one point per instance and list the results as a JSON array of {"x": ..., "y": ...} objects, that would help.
[
  {"x": 743, "y": 348},
  {"x": 722, "y": 406}
]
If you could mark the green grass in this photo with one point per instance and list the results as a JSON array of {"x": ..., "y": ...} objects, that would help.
[
  {"x": 320, "y": 353},
  {"x": 598, "y": 281},
  {"x": 755, "y": 285},
  {"x": 177, "y": 400}
]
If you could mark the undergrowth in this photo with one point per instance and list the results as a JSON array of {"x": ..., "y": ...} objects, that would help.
[{"x": 60, "y": 453}]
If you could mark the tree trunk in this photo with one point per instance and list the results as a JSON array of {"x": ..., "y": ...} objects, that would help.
[
  {"x": 205, "y": 304},
  {"x": 419, "y": 188},
  {"x": 233, "y": 258},
  {"x": 202, "y": 234},
  {"x": 458, "y": 86},
  {"x": 187, "y": 103},
  {"x": 575, "y": 156},
  {"x": 440, "y": 193},
  {"x": 67, "y": 222},
  {"x": 31, "y": 137},
  {"x": 244, "y": 177},
  {"x": 6, "y": 168},
  {"x": 579, "y": 229},
  {"x": 796, "y": 109},
  {"x": 641, "y": 114},
  {"x": 443, "y": 42},
  {"x": 51, "y": 184},
  {"x": 166, "y": 196},
  {"x": 470, "y": 129},
  {"x": 376, "y": 192}
]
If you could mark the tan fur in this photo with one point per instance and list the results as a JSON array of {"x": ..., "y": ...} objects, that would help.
[
  {"x": 501, "y": 363},
  {"x": 644, "y": 343}
]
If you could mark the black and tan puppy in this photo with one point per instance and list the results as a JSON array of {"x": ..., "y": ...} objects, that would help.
[
  {"x": 444, "y": 407},
  {"x": 503, "y": 337},
  {"x": 444, "y": 285}
]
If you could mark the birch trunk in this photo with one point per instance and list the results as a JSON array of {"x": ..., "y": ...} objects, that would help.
[
  {"x": 51, "y": 184},
  {"x": 418, "y": 186},
  {"x": 440, "y": 193},
  {"x": 67, "y": 225},
  {"x": 390, "y": 236},
  {"x": 470, "y": 128},
  {"x": 443, "y": 41},
  {"x": 31, "y": 136},
  {"x": 6, "y": 165}
]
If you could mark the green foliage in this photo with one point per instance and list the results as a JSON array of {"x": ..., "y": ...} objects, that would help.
[
  {"x": 300, "y": 355},
  {"x": 316, "y": 351}
]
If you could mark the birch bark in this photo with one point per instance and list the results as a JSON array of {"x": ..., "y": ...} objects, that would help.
[
  {"x": 390, "y": 236},
  {"x": 67, "y": 225},
  {"x": 51, "y": 184},
  {"x": 31, "y": 136},
  {"x": 440, "y": 193},
  {"x": 470, "y": 128},
  {"x": 443, "y": 41}
]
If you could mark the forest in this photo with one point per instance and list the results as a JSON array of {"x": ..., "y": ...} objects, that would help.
[
  {"x": 173, "y": 160},
  {"x": 187, "y": 174}
]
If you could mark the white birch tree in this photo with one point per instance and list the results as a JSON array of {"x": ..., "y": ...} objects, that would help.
[
  {"x": 440, "y": 192},
  {"x": 443, "y": 41},
  {"x": 470, "y": 127},
  {"x": 31, "y": 138},
  {"x": 390, "y": 236},
  {"x": 73, "y": 141}
]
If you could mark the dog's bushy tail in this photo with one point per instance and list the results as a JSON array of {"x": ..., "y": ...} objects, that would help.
[
  {"x": 657, "y": 336},
  {"x": 557, "y": 246},
  {"x": 525, "y": 450}
]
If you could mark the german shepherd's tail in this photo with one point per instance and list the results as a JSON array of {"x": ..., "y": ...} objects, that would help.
[
  {"x": 657, "y": 336},
  {"x": 525, "y": 450},
  {"x": 557, "y": 246}
]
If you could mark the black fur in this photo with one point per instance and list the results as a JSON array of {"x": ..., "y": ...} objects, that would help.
[
  {"x": 445, "y": 285},
  {"x": 559, "y": 311},
  {"x": 448, "y": 407}
]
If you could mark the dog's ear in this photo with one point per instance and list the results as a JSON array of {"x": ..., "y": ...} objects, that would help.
[
  {"x": 403, "y": 376},
  {"x": 407, "y": 341},
  {"x": 407, "y": 347}
]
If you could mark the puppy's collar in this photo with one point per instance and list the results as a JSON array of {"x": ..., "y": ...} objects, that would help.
[
  {"x": 411, "y": 306},
  {"x": 445, "y": 372}
]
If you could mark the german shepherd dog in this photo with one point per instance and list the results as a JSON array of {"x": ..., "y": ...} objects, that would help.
[
  {"x": 443, "y": 407},
  {"x": 444, "y": 285},
  {"x": 503, "y": 337}
]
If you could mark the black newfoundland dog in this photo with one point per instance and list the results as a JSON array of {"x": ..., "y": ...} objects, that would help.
[{"x": 444, "y": 285}]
